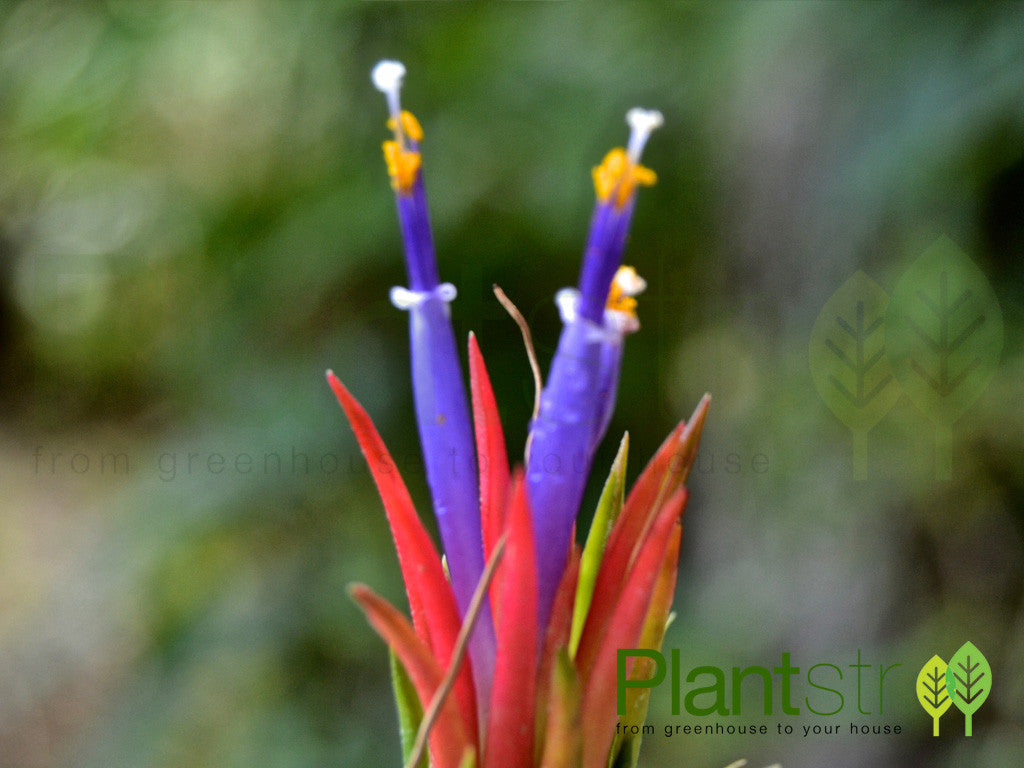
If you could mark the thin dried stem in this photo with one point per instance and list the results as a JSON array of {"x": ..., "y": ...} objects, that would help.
[
  {"x": 538, "y": 382},
  {"x": 531, "y": 353},
  {"x": 459, "y": 653}
]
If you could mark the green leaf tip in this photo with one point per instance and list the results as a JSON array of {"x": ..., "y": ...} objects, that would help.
[
  {"x": 410, "y": 712},
  {"x": 848, "y": 363},
  {"x": 944, "y": 338},
  {"x": 608, "y": 508}
]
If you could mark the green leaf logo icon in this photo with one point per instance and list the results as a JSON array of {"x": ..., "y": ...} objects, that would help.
[
  {"x": 968, "y": 681},
  {"x": 931, "y": 690},
  {"x": 848, "y": 360},
  {"x": 944, "y": 336}
]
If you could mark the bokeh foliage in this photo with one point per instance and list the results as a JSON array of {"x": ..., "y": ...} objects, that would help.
[{"x": 195, "y": 223}]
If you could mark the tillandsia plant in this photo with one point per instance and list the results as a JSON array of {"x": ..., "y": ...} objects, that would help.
[{"x": 511, "y": 656}]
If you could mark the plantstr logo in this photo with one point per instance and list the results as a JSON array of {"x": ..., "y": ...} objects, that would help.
[{"x": 966, "y": 682}]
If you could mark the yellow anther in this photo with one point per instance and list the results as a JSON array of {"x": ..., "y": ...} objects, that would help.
[
  {"x": 410, "y": 126},
  {"x": 608, "y": 173},
  {"x": 618, "y": 175},
  {"x": 644, "y": 176},
  {"x": 625, "y": 286},
  {"x": 403, "y": 166},
  {"x": 403, "y": 163}
]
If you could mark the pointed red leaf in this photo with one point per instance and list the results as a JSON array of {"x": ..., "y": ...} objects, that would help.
[
  {"x": 599, "y": 697},
  {"x": 431, "y": 601},
  {"x": 664, "y": 474},
  {"x": 509, "y": 739},
  {"x": 491, "y": 454},
  {"x": 673, "y": 462},
  {"x": 449, "y": 738},
  {"x": 656, "y": 620}
]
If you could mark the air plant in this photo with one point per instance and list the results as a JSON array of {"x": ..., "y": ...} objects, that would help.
[{"x": 510, "y": 657}]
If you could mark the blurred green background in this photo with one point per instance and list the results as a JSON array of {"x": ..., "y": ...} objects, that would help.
[{"x": 195, "y": 223}]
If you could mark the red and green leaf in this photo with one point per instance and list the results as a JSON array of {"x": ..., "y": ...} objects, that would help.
[
  {"x": 663, "y": 475},
  {"x": 431, "y": 601},
  {"x": 450, "y": 737},
  {"x": 623, "y": 631},
  {"x": 651, "y": 636},
  {"x": 563, "y": 742}
]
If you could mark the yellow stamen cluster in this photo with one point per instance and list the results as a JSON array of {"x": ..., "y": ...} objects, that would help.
[
  {"x": 618, "y": 175},
  {"x": 625, "y": 286},
  {"x": 403, "y": 163}
]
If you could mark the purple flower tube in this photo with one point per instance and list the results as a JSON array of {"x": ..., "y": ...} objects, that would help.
[
  {"x": 442, "y": 409},
  {"x": 579, "y": 394}
]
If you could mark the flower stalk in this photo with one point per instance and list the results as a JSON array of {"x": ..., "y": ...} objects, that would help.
[
  {"x": 579, "y": 396},
  {"x": 442, "y": 410}
]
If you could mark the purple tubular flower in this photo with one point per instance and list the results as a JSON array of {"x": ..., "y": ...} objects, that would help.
[
  {"x": 579, "y": 395},
  {"x": 442, "y": 408}
]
